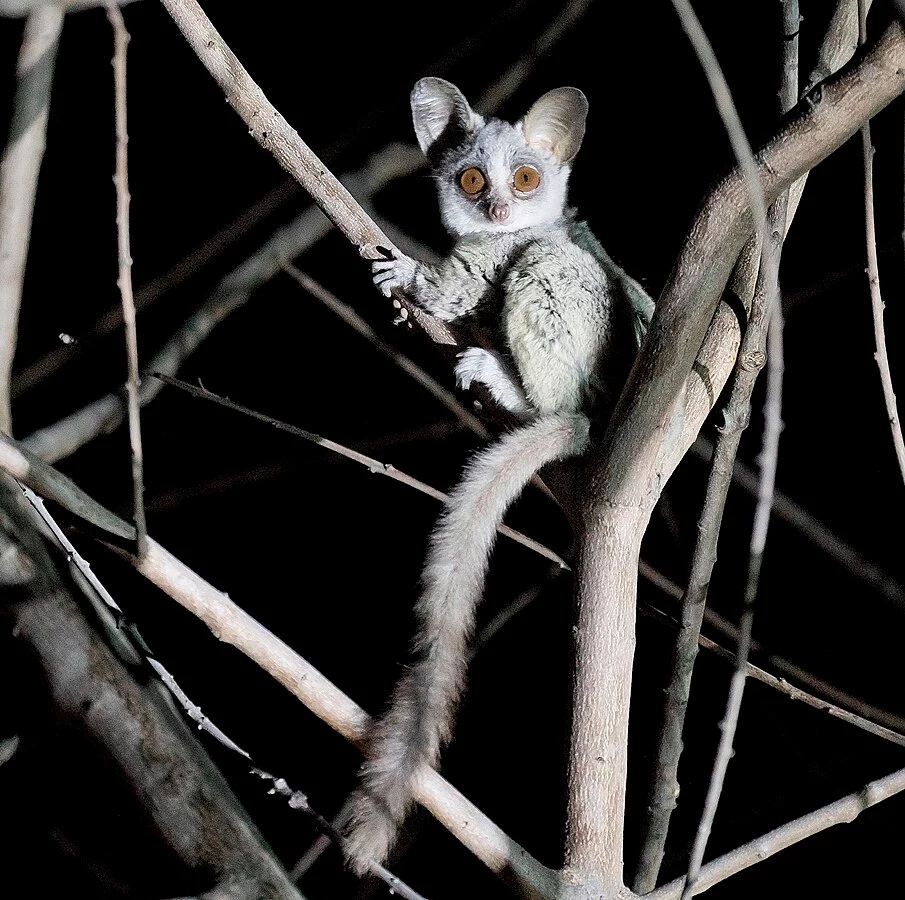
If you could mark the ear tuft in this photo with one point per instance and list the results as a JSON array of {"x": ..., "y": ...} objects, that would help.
[
  {"x": 556, "y": 123},
  {"x": 439, "y": 106}
]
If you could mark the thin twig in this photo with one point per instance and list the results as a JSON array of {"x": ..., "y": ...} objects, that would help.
[
  {"x": 867, "y": 724},
  {"x": 64, "y": 437},
  {"x": 121, "y": 179},
  {"x": 33, "y": 471},
  {"x": 371, "y": 464},
  {"x": 769, "y": 458},
  {"x": 664, "y": 786},
  {"x": 794, "y": 693},
  {"x": 765, "y": 317},
  {"x": 297, "y": 800},
  {"x": 873, "y": 275},
  {"x": 820, "y": 691},
  {"x": 814, "y": 530},
  {"x": 842, "y": 811},
  {"x": 413, "y": 370},
  {"x": 174, "y": 497},
  {"x": 200, "y": 256},
  {"x": 19, "y": 169}
]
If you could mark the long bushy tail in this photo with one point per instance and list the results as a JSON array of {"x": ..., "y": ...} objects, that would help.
[{"x": 419, "y": 719}]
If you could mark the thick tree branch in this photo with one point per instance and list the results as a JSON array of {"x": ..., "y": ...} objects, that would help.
[
  {"x": 231, "y": 624},
  {"x": 19, "y": 178},
  {"x": 736, "y": 415},
  {"x": 274, "y": 134},
  {"x": 655, "y": 421},
  {"x": 227, "y": 621},
  {"x": 187, "y": 799}
]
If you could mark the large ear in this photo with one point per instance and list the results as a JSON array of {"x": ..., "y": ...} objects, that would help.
[
  {"x": 438, "y": 106},
  {"x": 555, "y": 124}
]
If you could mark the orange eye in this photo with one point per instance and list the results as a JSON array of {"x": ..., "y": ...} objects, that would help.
[
  {"x": 526, "y": 179},
  {"x": 472, "y": 181}
]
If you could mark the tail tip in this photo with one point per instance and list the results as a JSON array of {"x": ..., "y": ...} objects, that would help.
[{"x": 369, "y": 835}]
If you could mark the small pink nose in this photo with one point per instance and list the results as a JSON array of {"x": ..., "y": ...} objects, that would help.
[{"x": 499, "y": 212}]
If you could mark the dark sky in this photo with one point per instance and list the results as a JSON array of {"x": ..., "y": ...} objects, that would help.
[{"x": 327, "y": 555}]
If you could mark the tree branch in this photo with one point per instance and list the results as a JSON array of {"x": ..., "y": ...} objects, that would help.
[
  {"x": 231, "y": 624},
  {"x": 371, "y": 464},
  {"x": 665, "y": 787},
  {"x": 19, "y": 169},
  {"x": 842, "y": 811},
  {"x": 873, "y": 276},
  {"x": 187, "y": 799},
  {"x": 656, "y": 419},
  {"x": 63, "y": 438},
  {"x": 121, "y": 179},
  {"x": 227, "y": 622}
]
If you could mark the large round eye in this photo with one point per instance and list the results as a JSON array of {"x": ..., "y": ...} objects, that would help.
[
  {"x": 472, "y": 181},
  {"x": 526, "y": 179}
]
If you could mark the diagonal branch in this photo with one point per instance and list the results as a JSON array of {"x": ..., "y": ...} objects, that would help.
[
  {"x": 371, "y": 464},
  {"x": 842, "y": 811},
  {"x": 656, "y": 419},
  {"x": 665, "y": 787},
  {"x": 275, "y": 134},
  {"x": 64, "y": 437},
  {"x": 230, "y": 623}
]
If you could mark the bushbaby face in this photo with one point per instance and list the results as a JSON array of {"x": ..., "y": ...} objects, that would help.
[
  {"x": 492, "y": 175},
  {"x": 495, "y": 181}
]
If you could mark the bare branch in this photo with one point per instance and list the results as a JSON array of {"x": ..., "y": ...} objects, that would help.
[
  {"x": 121, "y": 179},
  {"x": 372, "y": 465},
  {"x": 19, "y": 169},
  {"x": 414, "y": 371},
  {"x": 665, "y": 787},
  {"x": 873, "y": 276},
  {"x": 192, "y": 808},
  {"x": 656, "y": 419},
  {"x": 100, "y": 417},
  {"x": 765, "y": 314},
  {"x": 794, "y": 693},
  {"x": 274, "y": 134},
  {"x": 231, "y": 624},
  {"x": 817, "y": 532},
  {"x": 824, "y": 691},
  {"x": 842, "y": 811}
]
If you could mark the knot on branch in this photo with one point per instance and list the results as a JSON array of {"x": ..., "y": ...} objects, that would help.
[{"x": 753, "y": 360}]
